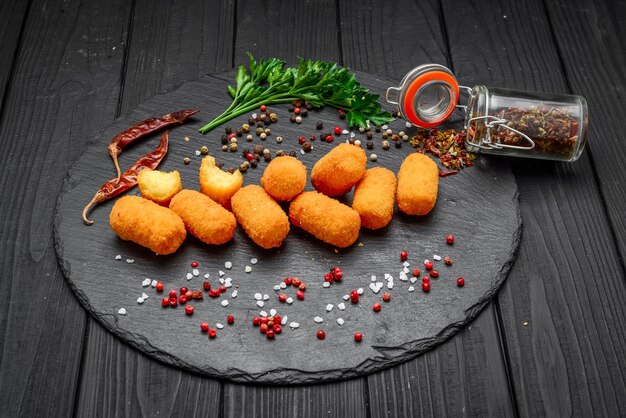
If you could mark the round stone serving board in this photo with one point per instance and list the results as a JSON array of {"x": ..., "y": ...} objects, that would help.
[{"x": 479, "y": 206}]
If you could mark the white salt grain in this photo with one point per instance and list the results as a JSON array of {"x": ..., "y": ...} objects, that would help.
[
  {"x": 408, "y": 124},
  {"x": 346, "y": 297},
  {"x": 345, "y": 132},
  {"x": 221, "y": 280},
  {"x": 326, "y": 284},
  {"x": 413, "y": 279},
  {"x": 248, "y": 269},
  {"x": 130, "y": 260},
  {"x": 224, "y": 303},
  {"x": 189, "y": 276},
  {"x": 389, "y": 285},
  {"x": 283, "y": 285},
  {"x": 318, "y": 319},
  {"x": 406, "y": 264},
  {"x": 329, "y": 307},
  {"x": 219, "y": 326},
  {"x": 290, "y": 300},
  {"x": 360, "y": 291},
  {"x": 260, "y": 303},
  {"x": 140, "y": 300},
  {"x": 146, "y": 282},
  {"x": 122, "y": 311},
  {"x": 341, "y": 306},
  {"x": 436, "y": 257},
  {"x": 266, "y": 296},
  {"x": 403, "y": 276},
  {"x": 277, "y": 287},
  {"x": 206, "y": 276},
  {"x": 198, "y": 153},
  {"x": 405, "y": 270},
  {"x": 340, "y": 321},
  {"x": 228, "y": 264},
  {"x": 195, "y": 272},
  {"x": 373, "y": 278},
  {"x": 234, "y": 294},
  {"x": 254, "y": 261},
  {"x": 258, "y": 296},
  {"x": 411, "y": 288},
  {"x": 118, "y": 257},
  {"x": 221, "y": 273},
  {"x": 144, "y": 296},
  {"x": 273, "y": 312},
  {"x": 284, "y": 320},
  {"x": 263, "y": 313},
  {"x": 154, "y": 283},
  {"x": 294, "y": 325}
]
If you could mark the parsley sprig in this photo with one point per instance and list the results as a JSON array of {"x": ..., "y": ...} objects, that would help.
[{"x": 320, "y": 83}]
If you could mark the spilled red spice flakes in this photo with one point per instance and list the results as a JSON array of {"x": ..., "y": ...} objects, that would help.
[{"x": 448, "y": 145}]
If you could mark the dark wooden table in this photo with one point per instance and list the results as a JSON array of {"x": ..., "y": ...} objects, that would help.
[{"x": 553, "y": 342}]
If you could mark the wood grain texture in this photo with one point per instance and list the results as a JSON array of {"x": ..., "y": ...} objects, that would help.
[
  {"x": 169, "y": 44},
  {"x": 66, "y": 82},
  {"x": 590, "y": 36},
  {"x": 561, "y": 306},
  {"x": 12, "y": 18},
  {"x": 449, "y": 380}
]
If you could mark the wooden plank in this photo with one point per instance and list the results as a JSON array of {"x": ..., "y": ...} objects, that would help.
[
  {"x": 65, "y": 85},
  {"x": 562, "y": 306},
  {"x": 165, "y": 50},
  {"x": 12, "y": 18},
  {"x": 589, "y": 41},
  {"x": 468, "y": 372},
  {"x": 288, "y": 29}
]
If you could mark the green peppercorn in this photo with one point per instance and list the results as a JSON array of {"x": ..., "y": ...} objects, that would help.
[
  {"x": 224, "y": 147},
  {"x": 273, "y": 117},
  {"x": 385, "y": 144},
  {"x": 384, "y": 135},
  {"x": 268, "y": 131},
  {"x": 245, "y": 128},
  {"x": 279, "y": 139},
  {"x": 259, "y": 131},
  {"x": 361, "y": 129},
  {"x": 204, "y": 150},
  {"x": 233, "y": 147},
  {"x": 280, "y": 153},
  {"x": 186, "y": 160}
]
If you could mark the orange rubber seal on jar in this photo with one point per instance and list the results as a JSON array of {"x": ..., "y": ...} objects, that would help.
[{"x": 417, "y": 84}]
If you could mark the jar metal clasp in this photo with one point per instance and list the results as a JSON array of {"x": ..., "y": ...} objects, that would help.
[{"x": 497, "y": 123}]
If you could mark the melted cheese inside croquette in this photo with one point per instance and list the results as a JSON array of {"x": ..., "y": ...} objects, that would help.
[
  {"x": 284, "y": 178},
  {"x": 158, "y": 186},
  {"x": 418, "y": 182},
  {"x": 339, "y": 170},
  {"x": 143, "y": 222},
  {"x": 219, "y": 185}
]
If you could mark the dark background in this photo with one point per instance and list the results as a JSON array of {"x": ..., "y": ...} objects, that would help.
[{"x": 553, "y": 341}]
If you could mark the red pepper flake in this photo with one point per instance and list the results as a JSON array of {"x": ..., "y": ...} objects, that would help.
[
  {"x": 277, "y": 328},
  {"x": 460, "y": 282},
  {"x": 288, "y": 281},
  {"x": 277, "y": 319},
  {"x": 270, "y": 334},
  {"x": 446, "y": 173},
  {"x": 183, "y": 290},
  {"x": 328, "y": 277},
  {"x": 173, "y": 294},
  {"x": 222, "y": 289},
  {"x": 182, "y": 299},
  {"x": 173, "y": 302},
  {"x": 300, "y": 294},
  {"x": 321, "y": 334},
  {"x": 337, "y": 273},
  {"x": 358, "y": 337},
  {"x": 428, "y": 265},
  {"x": 296, "y": 282},
  {"x": 263, "y": 328},
  {"x": 337, "y": 130},
  {"x": 329, "y": 138},
  {"x": 377, "y": 307},
  {"x": 302, "y": 287},
  {"x": 301, "y": 140}
]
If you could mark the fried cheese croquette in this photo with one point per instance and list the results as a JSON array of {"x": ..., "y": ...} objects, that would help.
[
  {"x": 148, "y": 224},
  {"x": 418, "y": 181},
  {"x": 260, "y": 216},
  {"x": 158, "y": 186},
  {"x": 217, "y": 184},
  {"x": 284, "y": 178},
  {"x": 339, "y": 170},
  {"x": 374, "y": 197},
  {"x": 204, "y": 218},
  {"x": 325, "y": 218}
]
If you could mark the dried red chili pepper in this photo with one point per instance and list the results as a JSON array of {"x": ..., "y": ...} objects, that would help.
[
  {"x": 127, "y": 180},
  {"x": 142, "y": 129},
  {"x": 446, "y": 173}
]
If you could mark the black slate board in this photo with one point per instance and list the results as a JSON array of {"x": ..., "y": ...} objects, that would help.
[{"x": 479, "y": 206}]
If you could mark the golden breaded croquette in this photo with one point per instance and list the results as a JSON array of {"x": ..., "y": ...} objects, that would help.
[
  {"x": 336, "y": 172},
  {"x": 203, "y": 217},
  {"x": 284, "y": 178},
  {"x": 418, "y": 181},
  {"x": 144, "y": 222},
  {"x": 374, "y": 197},
  {"x": 325, "y": 218},
  {"x": 158, "y": 186},
  {"x": 260, "y": 216},
  {"x": 219, "y": 185}
]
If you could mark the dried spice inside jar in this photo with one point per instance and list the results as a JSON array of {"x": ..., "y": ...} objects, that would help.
[
  {"x": 554, "y": 131},
  {"x": 448, "y": 145}
]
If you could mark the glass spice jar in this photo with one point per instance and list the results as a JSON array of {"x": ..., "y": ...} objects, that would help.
[{"x": 498, "y": 121}]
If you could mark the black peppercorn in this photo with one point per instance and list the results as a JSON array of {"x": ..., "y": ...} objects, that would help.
[
  {"x": 251, "y": 121},
  {"x": 369, "y": 144},
  {"x": 267, "y": 157},
  {"x": 369, "y": 135},
  {"x": 292, "y": 119},
  {"x": 398, "y": 144},
  {"x": 239, "y": 132},
  {"x": 319, "y": 125},
  {"x": 231, "y": 170},
  {"x": 224, "y": 139},
  {"x": 293, "y": 154},
  {"x": 377, "y": 128},
  {"x": 253, "y": 163},
  {"x": 228, "y": 130},
  {"x": 258, "y": 149},
  {"x": 291, "y": 108},
  {"x": 309, "y": 106},
  {"x": 306, "y": 146},
  {"x": 304, "y": 112},
  {"x": 219, "y": 165},
  {"x": 351, "y": 141}
]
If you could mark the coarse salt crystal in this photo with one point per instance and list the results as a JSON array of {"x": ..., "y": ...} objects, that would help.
[
  {"x": 389, "y": 285},
  {"x": 360, "y": 291},
  {"x": 345, "y": 132},
  {"x": 206, "y": 276},
  {"x": 318, "y": 319},
  {"x": 118, "y": 257},
  {"x": 408, "y": 124},
  {"x": 228, "y": 264},
  {"x": 228, "y": 281},
  {"x": 290, "y": 300},
  {"x": 263, "y": 313},
  {"x": 374, "y": 288},
  {"x": 253, "y": 115},
  {"x": 234, "y": 294},
  {"x": 340, "y": 321},
  {"x": 352, "y": 134},
  {"x": 277, "y": 287},
  {"x": 228, "y": 284},
  {"x": 273, "y": 312},
  {"x": 122, "y": 311},
  {"x": 140, "y": 300},
  {"x": 189, "y": 276},
  {"x": 195, "y": 272},
  {"x": 403, "y": 276},
  {"x": 260, "y": 303},
  {"x": 326, "y": 284},
  {"x": 221, "y": 280},
  {"x": 283, "y": 285},
  {"x": 266, "y": 296},
  {"x": 130, "y": 260},
  {"x": 346, "y": 297},
  {"x": 405, "y": 270},
  {"x": 436, "y": 257},
  {"x": 254, "y": 261},
  {"x": 224, "y": 303},
  {"x": 198, "y": 153},
  {"x": 146, "y": 282},
  {"x": 144, "y": 296},
  {"x": 426, "y": 261},
  {"x": 384, "y": 127},
  {"x": 411, "y": 288},
  {"x": 413, "y": 279},
  {"x": 219, "y": 326},
  {"x": 388, "y": 276},
  {"x": 341, "y": 306},
  {"x": 302, "y": 151},
  {"x": 406, "y": 264},
  {"x": 248, "y": 269},
  {"x": 329, "y": 307},
  {"x": 284, "y": 320},
  {"x": 221, "y": 273},
  {"x": 154, "y": 283},
  {"x": 373, "y": 278},
  {"x": 294, "y": 325},
  {"x": 258, "y": 296}
]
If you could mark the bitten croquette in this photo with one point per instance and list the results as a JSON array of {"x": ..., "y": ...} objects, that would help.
[
  {"x": 260, "y": 216},
  {"x": 144, "y": 222},
  {"x": 204, "y": 218},
  {"x": 325, "y": 218}
]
